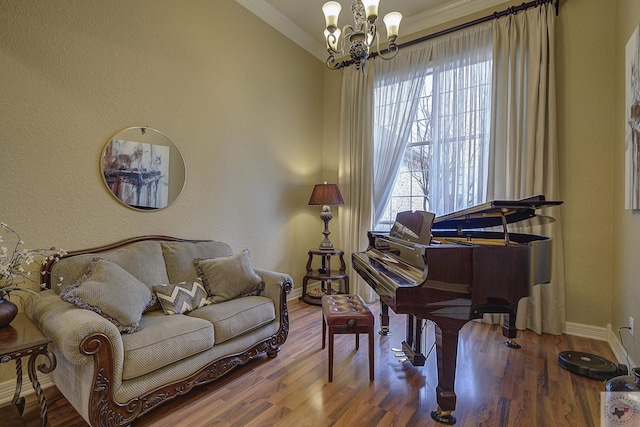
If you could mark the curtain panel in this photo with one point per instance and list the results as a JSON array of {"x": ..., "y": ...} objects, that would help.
[
  {"x": 355, "y": 177},
  {"x": 524, "y": 144}
]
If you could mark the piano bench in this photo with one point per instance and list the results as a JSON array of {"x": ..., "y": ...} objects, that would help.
[{"x": 346, "y": 314}]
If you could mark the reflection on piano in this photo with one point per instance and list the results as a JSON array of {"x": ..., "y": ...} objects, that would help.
[{"x": 449, "y": 271}]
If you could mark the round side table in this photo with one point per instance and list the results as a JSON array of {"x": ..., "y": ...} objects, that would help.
[{"x": 324, "y": 274}]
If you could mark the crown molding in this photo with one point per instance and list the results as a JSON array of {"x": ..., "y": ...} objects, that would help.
[
  {"x": 410, "y": 25},
  {"x": 440, "y": 15},
  {"x": 263, "y": 10}
]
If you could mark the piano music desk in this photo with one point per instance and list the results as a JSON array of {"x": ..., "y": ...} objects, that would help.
[{"x": 324, "y": 274}]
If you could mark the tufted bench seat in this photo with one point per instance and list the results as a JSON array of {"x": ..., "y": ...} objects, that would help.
[{"x": 346, "y": 314}]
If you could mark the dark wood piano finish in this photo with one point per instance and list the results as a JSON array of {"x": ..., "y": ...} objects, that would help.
[{"x": 452, "y": 283}]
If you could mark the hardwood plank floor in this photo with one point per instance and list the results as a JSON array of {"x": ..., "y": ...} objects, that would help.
[{"x": 495, "y": 385}]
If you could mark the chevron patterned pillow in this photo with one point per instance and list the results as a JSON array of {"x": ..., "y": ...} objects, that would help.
[{"x": 181, "y": 298}]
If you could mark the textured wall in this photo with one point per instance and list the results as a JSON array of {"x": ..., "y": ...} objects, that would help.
[
  {"x": 626, "y": 230},
  {"x": 241, "y": 102},
  {"x": 585, "y": 81}
]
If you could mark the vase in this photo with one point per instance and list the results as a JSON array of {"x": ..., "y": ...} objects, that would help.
[
  {"x": 8, "y": 312},
  {"x": 625, "y": 382}
]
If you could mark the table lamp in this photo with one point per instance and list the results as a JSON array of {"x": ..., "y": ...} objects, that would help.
[{"x": 326, "y": 195}]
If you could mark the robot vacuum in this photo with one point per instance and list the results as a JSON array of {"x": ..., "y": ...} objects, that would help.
[{"x": 590, "y": 365}]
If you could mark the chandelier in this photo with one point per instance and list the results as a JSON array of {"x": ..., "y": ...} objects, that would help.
[{"x": 362, "y": 35}]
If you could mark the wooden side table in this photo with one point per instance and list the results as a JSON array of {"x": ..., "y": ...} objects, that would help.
[
  {"x": 324, "y": 274},
  {"x": 20, "y": 339}
]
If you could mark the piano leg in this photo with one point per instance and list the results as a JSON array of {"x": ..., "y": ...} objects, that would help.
[
  {"x": 447, "y": 352},
  {"x": 384, "y": 319},
  {"x": 509, "y": 330}
]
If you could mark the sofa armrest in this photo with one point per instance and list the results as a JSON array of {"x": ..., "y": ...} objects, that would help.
[
  {"x": 276, "y": 285},
  {"x": 67, "y": 326}
]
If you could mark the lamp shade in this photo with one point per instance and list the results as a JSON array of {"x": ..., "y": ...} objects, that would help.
[{"x": 326, "y": 194}]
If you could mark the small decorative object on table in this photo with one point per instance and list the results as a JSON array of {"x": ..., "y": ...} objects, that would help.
[{"x": 15, "y": 273}]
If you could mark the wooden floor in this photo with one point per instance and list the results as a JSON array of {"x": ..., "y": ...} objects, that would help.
[{"x": 495, "y": 385}]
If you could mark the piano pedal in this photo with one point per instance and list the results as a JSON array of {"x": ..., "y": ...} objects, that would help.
[
  {"x": 443, "y": 417},
  {"x": 400, "y": 355},
  {"x": 512, "y": 344}
]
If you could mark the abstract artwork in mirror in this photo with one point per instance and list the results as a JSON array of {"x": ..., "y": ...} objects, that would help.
[{"x": 142, "y": 168}]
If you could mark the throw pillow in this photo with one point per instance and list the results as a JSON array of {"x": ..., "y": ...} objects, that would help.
[
  {"x": 181, "y": 298},
  {"x": 229, "y": 277},
  {"x": 112, "y": 292}
]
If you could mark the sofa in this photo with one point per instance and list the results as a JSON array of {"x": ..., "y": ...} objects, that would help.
[{"x": 136, "y": 323}]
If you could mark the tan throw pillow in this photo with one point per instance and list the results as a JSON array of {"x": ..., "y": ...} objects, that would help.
[
  {"x": 112, "y": 292},
  {"x": 229, "y": 277},
  {"x": 181, "y": 298}
]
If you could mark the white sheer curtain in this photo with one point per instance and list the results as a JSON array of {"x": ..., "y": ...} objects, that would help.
[
  {"x": 355, "y": 177},
  {"x": 461, "y": 118},
  {"x": 397, "y": 89},
  {"x": 455, "y": 72},
  {"x": 524, "y": 149}
]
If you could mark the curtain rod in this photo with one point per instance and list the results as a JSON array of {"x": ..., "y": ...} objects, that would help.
[{"x": 495, "y": 15}]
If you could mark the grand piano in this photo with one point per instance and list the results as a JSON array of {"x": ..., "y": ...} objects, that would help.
[{"x": 449, "y": 270}]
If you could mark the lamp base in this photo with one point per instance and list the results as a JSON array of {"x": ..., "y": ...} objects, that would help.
[
  {"x": 326, "y": 245},
  {"x": 326, "y": 216}
]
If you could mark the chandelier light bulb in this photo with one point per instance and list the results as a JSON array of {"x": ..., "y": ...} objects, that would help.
[
  {"x": 371, "y": 9},
  {"x": 331, "y": 10},
  {"x": 392, "y": 22}
]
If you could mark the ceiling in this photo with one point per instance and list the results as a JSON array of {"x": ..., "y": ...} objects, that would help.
[{"x": 303, "y": 22}]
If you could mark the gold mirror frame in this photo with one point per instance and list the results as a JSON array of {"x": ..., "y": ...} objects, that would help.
[{"x": 142, "y": 168}]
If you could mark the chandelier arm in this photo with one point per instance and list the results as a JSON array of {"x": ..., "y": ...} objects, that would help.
[
  {"x": 332, "y": 64},
  {"x": 344, "y": 36},
  {"x": 331, "y": 41},
  {"x": 391, "y": 51},
  {"x": 375, "y": 37}
]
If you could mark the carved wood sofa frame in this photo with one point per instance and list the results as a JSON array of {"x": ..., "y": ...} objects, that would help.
[{"x": 104, "y": 410}]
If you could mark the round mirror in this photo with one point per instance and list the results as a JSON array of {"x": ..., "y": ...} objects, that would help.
[{"x": 142, "y": 168}]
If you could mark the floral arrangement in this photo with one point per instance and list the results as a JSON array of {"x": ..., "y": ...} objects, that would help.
[{"x": 15, "y": 273}]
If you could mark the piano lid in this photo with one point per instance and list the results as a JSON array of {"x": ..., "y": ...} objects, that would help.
[{"x": 490, "y": 214}]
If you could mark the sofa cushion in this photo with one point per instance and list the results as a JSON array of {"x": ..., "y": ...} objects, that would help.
[
  {"x": 143, "y": 260},
  {"x": 181, "y": 298},
  {"x": 226, "y": 278},
  {"x": 109, "y": 290},
  {"x": 236, "y": 317},
  {"x": 179, "y": 258},
  {"x": 162, "y": 341}
]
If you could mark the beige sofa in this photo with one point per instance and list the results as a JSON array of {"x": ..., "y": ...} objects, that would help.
[{"x": 112, "y": 377}]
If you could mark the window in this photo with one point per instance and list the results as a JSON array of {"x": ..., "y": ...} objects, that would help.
[{"x": 444, "y": 164}]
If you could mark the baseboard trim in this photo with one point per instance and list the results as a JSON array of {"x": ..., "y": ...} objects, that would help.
[
  {"x": 618, "y": 349},
  {"x": 296, "y": 293},
  {"x": 8, "y": 388},
  {"x": 601, "y": 334},
  {"x": 586, "y": 331}
]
